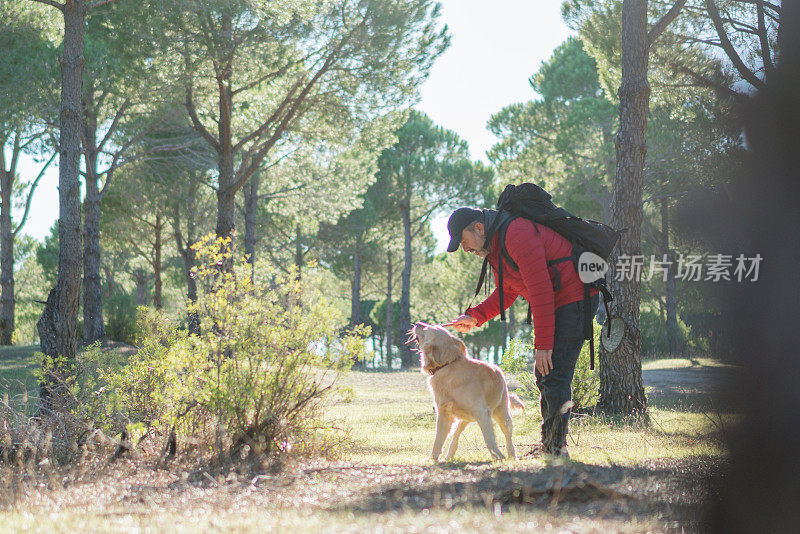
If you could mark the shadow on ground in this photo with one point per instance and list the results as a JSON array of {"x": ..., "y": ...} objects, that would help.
[{"x": 672, "y": 490}]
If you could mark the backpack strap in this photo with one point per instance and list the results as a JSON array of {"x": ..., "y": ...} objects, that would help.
[
  {"x": 514, "y": 266},
  {"x": 601, "y": 286},
  {"x": 588, "y": 332},
  {"x": 501, "y": 240},
  {"x": 500, "y": 224},
  {"x": 482, "y": 277},
  {"x": 500, "y": 290}
]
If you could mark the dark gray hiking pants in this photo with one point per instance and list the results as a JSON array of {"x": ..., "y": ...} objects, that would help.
[{"x": 556, "y": 388}]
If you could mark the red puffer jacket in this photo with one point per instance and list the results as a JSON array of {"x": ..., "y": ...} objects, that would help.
[{"x": 531, "y": 247}]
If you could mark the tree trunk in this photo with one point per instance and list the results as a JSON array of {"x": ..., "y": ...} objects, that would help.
[
  {"x": 250, "y": 211},
  {"x": 673, "y": 332},
  {"x": 388, "y": 309},
  {"x": 191, "y": 290},
  {"x": 298, "y": 251},
  {"x": 112, "y": 288},
  {"x": 93, "y": 328},
  {"x": 6, "y": 256},
  {"x": 621, "y": 388},
  {"x": 140, "y": 278},
  {"x": 58, "y": 325},
  {"x": 226, "y": 192},
  {"x": 225, "y": 212},
  {"x": 355, "y": 301},
  {"x": 188, "y": 256},
  {"x": 157, "y": 291},
  {"x": 406, "y": 355}
]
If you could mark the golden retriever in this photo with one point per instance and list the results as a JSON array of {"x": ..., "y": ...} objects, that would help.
[{"x": 464, "y": 390}]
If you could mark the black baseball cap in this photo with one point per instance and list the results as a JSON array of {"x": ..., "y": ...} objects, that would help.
[{"x": 458, "y": 221}]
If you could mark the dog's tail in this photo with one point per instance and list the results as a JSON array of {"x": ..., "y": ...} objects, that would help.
[{"x": 515, "y": 404}]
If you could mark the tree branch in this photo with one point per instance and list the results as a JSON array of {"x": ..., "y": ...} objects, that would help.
[
  {"x": 281, "y": 192},
  {"x": 98, "y": 3},
  {"x": 176, "y": 231},
  {"x": 115, "y": 163},
  {"x": 740, "y": 26},
  {"x": 662, "y": 24},
  {"x": 690, "y": 39},
  {"x": 15, "y": 154},
  {"x": 273, "y": 74},
  {"x": 247, "y": 170},
  {"x": 31, "y": 139},
  {"x": 766, "y": 55},
  {"x": 196, "y": 124},
  {"x": 114, "y": 124},
  {"x": 764, "y": 3},
  {"x": 261, "y": 130},
  {"x": 53, "y": 3},
  {"x": 30, "y": 195},
  {"x": 728, "y": 47}
]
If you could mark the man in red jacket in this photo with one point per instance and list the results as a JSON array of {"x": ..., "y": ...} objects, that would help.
[{"x": 556, "y": 296}]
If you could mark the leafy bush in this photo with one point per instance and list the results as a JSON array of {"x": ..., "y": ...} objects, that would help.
[
  {"x": 252, "y": 379},
  {"x": 65, "y": 427},
  {"x": 518, "y": 360},
  {"x": 654, "y": 333}
]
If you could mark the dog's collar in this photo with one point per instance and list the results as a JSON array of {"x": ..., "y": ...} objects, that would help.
[{"x": 434, "y": 369}]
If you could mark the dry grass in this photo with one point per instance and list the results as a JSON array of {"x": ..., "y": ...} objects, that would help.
[{"x": 623, "y": 478}]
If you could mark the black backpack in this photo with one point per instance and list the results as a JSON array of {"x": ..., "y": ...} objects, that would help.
[{"x": 534, "y": 203}]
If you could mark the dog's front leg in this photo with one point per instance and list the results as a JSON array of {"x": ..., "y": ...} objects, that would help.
[{"x": 443, "y": 424}]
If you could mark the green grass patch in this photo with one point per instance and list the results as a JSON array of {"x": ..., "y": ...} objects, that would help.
[
  {"x": 389, "y": 423},
  {"x": 17, "y": 379},
  {"x": 682, "y": 363},
  {"x": 393, "y": 421}
]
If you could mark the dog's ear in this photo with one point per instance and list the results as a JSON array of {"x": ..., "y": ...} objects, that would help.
[
  {"x": 430, "y": 351},
  {"x": 462, "y": 347},
  {"x": 455, "y": 350},
  {"x": 427, "y": 358}
]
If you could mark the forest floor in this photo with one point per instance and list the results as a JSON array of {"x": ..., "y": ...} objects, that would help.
[{"x": 623, "y": 476}]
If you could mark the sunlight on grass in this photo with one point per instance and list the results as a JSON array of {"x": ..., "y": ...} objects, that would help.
[
  {"x": 388, "y": 420},
  {"x": 395, "y": 424},
  {"x": 680, "y": 363},
  {"x": 17, "y": 379}
]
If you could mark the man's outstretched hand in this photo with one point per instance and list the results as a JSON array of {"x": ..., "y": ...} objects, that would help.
[{"x": 465, "y": 323}]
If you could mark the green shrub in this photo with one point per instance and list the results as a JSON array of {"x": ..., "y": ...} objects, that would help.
[
  {"x": 254, "y": 376},
  {"x": 654, "y": 333},
  {"x": 518, "y": 361}
]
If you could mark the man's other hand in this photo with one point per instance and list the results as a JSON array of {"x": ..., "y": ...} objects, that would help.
[
  {"x": 465, "y": 323},
  {"x": 544, "y": 361}
]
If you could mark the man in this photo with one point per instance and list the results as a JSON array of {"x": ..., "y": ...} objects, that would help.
[{"x": 556, "y": 296}]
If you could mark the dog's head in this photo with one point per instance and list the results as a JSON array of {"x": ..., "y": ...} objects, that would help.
[{"x": 437, "y": 347}]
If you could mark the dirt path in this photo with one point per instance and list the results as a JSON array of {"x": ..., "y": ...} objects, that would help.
[{"x": 687, "y": 383}]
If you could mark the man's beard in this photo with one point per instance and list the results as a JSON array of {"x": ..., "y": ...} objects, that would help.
[{"x": 482, "y": 253}]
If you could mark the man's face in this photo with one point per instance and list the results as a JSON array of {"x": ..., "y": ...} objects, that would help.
[{"x": 472, "y": 241}]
